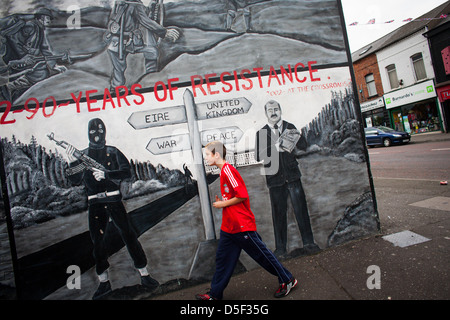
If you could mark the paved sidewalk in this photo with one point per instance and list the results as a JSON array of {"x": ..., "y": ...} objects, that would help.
[
  {"x": 430, "y": 137},
  {"x": 412, "y": 272}
]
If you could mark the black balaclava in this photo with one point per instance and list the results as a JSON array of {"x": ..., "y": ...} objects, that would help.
[{"x": 97, "y": 133}]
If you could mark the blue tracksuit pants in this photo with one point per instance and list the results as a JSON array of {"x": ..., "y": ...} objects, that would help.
[{"x": 228, "y": 252}]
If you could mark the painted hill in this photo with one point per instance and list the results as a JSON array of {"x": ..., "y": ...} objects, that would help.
[{"x": 283, "y": 32}]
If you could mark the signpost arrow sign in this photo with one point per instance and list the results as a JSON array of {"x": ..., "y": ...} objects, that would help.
[
  {"x": 222, "y": 108},
  {"x": 225, "y": 135},
  {"x": 181, "y": 142},
  {"x": 169, "y": 144},
  {"x": 157, "y": 117}
]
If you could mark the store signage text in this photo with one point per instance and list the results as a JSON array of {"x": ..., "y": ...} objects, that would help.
[
  {"x": 445, "y": 95},
  {"x": 367, "y": 106},
  {"x": 412, "y": 94}
]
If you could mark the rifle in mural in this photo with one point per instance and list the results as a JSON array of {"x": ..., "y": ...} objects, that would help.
[
  {"x": 30, "y": 62},
  {"x": 157, "y": 13},
  {"x": 86, "y": 161}
]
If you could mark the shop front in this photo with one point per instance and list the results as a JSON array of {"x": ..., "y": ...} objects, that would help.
[
  {"x": 414, "y": 109},
  {"x": 374, "y": 113},
  {"x": 444, "y": 98}
]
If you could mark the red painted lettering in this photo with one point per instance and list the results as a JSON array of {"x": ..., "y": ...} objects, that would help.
[
  {"x": 107, "y": 98},
  {"x": 236, "y": 81},
  {"x": 77, "y": 100},
  {"x": 5, "y": 114},
  {"x": 258, "y": 71},
  {"x": 289, "y": 74},
  {"x": 55, "y": 105},
  {"x": 134, "y": 92},
  {"x": 248, "y": 80},
  {"x": 91, "y": 101},
  {"x": 195, "y": 86},
  {"x": 164, "y": 90},
  {"x": 311, "y": 71},
  {"x": 230, "y": 87},
  {"x": 120, "y": 97},
  {"x": 296, "y": 74},
  {"x": 34, "y": 110},
  {"x": 211, "y": 83},
  {"x": 273, "y": 74},
  {"x": 172, "y": 88}
]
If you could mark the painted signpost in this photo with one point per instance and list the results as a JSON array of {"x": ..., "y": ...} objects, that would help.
[
  {"x": 191, "y": 113},
  {"x": 177, "y": 114},
  {"x": 181, "y": 142}
]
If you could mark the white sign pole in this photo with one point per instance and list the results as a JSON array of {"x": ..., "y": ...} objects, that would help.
[
  {"x": 191, "y": 113},
  {"x": 196, "y": 144}
]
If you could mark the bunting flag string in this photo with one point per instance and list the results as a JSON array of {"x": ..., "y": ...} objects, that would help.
[{"x": 372, "y": 21}]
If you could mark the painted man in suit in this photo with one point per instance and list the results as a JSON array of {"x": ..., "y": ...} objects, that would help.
[{"x": 278, "y": 145}]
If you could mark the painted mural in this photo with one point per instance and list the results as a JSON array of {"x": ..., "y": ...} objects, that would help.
[{"x": 105, "y": 107}]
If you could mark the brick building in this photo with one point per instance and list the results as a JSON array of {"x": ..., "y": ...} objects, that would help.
[
  {"x": 396, "y": 80},
  {"x": 370, "y": 90}
]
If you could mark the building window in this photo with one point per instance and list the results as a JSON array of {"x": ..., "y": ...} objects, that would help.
[
  {"x": 446, "y": 59},
  {"x": 419, "y": 66},
  {"x": 392, "y": 74},
  {"x": 370, "y": 83}
]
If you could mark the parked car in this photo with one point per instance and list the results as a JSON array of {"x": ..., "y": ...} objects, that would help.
[{"x": 384, "y": 136}]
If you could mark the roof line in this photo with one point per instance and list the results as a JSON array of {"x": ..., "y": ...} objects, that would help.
[{"x": 402, "y": 32}]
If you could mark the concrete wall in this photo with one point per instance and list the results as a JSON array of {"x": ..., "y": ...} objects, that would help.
[{"x": 226, "y": 70}]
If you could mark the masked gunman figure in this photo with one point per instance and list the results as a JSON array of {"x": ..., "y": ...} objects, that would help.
[{"x": 105, "y": 203}]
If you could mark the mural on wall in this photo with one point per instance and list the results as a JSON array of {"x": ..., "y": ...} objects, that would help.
[
  {"x": 278, "y": 144},
  {"x": 7, "y": 286},
  {"x": 105, "y": 108}
]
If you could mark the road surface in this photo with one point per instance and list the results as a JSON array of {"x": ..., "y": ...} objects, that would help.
[{"x": 428, "y": 161}]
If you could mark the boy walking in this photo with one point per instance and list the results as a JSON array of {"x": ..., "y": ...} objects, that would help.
[{"x": 238, "y": 230}]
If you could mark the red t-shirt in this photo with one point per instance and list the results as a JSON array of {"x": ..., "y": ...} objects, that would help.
[{"x": 239, "y": 217}]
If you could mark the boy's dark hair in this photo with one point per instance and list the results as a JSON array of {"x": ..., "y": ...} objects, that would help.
[{"x": 217, "y": 146}]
